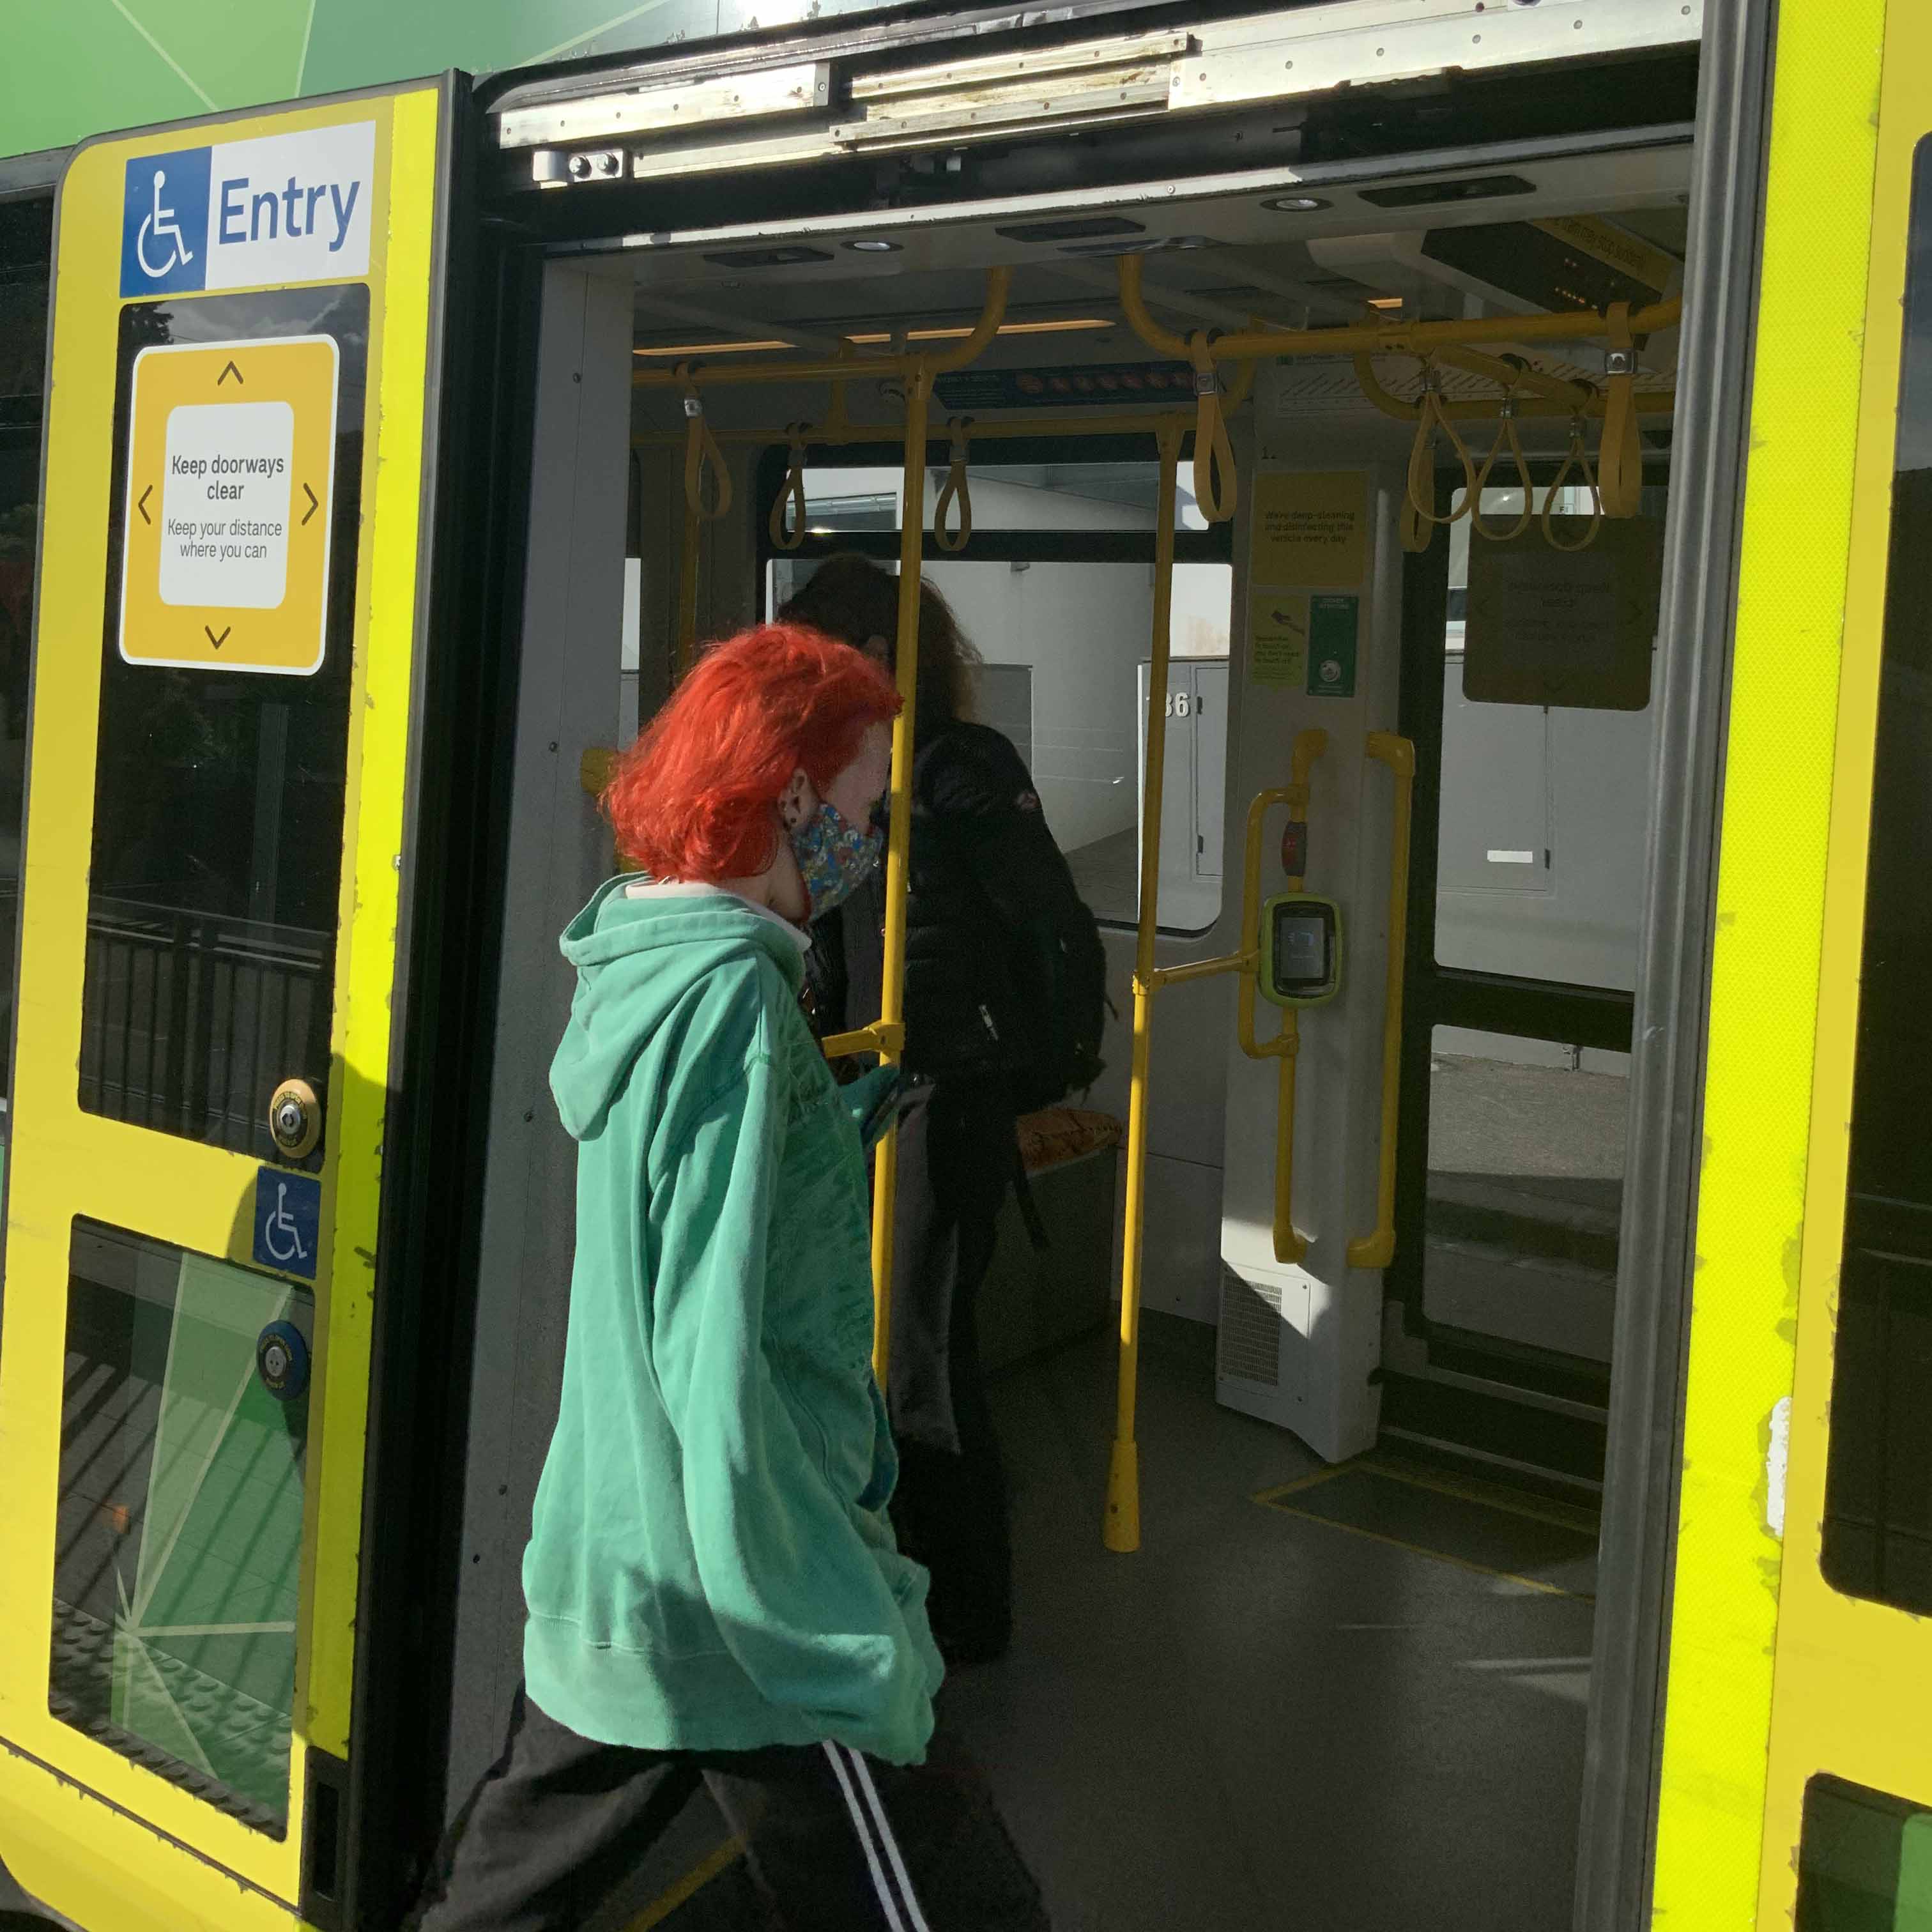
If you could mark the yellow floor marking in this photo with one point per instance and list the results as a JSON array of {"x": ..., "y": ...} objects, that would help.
[
  {"x": 1490, "y": 1495},
  {"x": 1309, "y": 1482},
  {"x": 1553, "y": 1514},
  {"x": 1535, "y": 1583},
  {"x": 687, "y": 1888}
]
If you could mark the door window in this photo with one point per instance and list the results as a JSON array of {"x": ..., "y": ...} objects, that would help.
[{"x": 213, "y": 894}]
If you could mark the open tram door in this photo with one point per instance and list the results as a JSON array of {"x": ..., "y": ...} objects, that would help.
[{"x": 226, "y": 791}]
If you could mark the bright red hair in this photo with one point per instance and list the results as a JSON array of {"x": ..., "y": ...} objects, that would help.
[{"x": 692, "y": 799}]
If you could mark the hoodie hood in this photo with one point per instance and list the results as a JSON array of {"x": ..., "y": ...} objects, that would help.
[{"x": 637, "y": 960}]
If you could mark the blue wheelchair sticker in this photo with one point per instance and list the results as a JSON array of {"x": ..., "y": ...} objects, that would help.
[
  {"x": 288, "y": 1221},
  {"x": 164, "y": 224}
]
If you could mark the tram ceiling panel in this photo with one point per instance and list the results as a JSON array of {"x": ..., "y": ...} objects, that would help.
[{"x": 823, "y": 101}]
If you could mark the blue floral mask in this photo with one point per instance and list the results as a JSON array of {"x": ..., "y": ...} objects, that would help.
[{"x": 834, "y": 856}]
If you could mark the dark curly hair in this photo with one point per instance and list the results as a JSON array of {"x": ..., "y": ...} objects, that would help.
[{"x": 851, "y": 598}]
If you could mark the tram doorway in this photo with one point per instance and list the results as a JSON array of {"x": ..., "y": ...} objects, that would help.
[{"x": 1327, "y": 1471}]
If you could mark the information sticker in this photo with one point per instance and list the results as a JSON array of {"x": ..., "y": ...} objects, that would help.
[{"x": 231, "y": 457}]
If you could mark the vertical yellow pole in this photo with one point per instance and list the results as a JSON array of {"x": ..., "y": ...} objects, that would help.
[
  {"x": 898, "y": 844},
  {"x": 1123, "y": 1527}
]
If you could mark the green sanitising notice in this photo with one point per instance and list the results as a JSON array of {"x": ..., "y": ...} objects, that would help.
[{"x": 1334, "y": 624}]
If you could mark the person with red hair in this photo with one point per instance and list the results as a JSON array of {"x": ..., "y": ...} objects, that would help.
[{"x": 713, "y": 1588}]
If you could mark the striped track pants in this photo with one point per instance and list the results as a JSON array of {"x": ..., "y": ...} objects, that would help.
[{"x": 836, "y": 1842}]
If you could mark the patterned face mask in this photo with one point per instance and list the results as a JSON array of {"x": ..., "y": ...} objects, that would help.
[{"x": 834, "y": 856}]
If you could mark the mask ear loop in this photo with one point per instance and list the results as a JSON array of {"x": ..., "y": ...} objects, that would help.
[
  {"x": 791, "y": 496},
  {"x": 1506, "y": 437},
  {"x": 701, "y": 453},
  {"x": 954, "y": 491},
  {"x": 1420, "y": 514},
  {"x": 1578, "y": 460}
]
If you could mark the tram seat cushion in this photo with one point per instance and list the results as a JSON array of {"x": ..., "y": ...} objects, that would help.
[{"x": 1032, "y": 1299}]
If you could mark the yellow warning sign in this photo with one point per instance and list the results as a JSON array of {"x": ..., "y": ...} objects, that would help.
[
  {"x": 1311, "y": 527},
  {"x": 231, "y": 454}
]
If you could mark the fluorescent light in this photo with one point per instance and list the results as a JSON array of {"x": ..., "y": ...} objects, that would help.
[
  {"x": 1384, "y": 302},
  {"x": 714, "y": 349},
  {"x": 1072, "y": 326}
]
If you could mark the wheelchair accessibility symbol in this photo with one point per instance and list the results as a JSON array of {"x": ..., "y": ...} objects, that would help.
[
  {"x": 159, "y": 226},
  {"x": 164, "y": 237},
  {"x": 288, "y": 1220}
]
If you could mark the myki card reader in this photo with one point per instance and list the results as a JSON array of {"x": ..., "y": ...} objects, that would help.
[{"x": 1301, "y": 949}]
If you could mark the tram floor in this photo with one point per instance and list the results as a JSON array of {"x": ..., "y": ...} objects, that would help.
[{"x": 1260, "y": 1720}]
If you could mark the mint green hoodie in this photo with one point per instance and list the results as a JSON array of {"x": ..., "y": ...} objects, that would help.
[{"x": 710, "y": 1567}]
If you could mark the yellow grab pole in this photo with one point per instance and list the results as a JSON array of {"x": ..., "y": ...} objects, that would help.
[
  {"x": 1377, "y": 1249},
  {"x": 898, "y": 845},
  {"x": 1122, "y": 1530}
]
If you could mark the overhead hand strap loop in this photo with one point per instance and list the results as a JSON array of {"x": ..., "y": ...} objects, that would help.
[
  {"x": 788, "y": 534},
  {"x": 1577, "y": 459},
  {"x": 701, "y": 453},
  {"x": 1216, "y": 490},
  {"x": 1431, "y": 416},
  {"x": 1506, "y": 438},
  {"x": 954, "y": 491},
  {"x": 1620, "y": 454}
]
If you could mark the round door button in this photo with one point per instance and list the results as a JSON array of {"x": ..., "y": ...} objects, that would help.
[
  {"x": 281, "y": 1360},
  {"x": 294, "y": 1119}
]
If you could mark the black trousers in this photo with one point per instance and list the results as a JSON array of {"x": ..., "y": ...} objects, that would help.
[
  {"x": 950, "y": 1511},
  {"x": 835, "y": 1841}
]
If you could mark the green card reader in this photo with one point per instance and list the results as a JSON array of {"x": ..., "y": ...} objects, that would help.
[{"x": 1301, "y": 949}]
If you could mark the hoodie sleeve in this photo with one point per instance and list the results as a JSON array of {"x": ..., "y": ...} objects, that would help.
[{"x": 803, "y": 1602}]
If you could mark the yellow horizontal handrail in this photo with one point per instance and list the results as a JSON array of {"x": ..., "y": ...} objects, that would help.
[
  {"x": 1387, "y": 338},
  {"x": 1647, "y": 402},
  {"x": 1377, "y": 1249}
]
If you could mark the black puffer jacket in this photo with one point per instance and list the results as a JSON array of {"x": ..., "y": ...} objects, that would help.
[{"x": 1005, "y": 974}]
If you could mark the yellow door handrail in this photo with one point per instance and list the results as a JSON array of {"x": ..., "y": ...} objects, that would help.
[{"x": 1376, "y": 1250}]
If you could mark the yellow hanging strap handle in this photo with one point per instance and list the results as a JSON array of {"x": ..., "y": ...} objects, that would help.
[
  {"x": 954, "y": 491},
  {"x": 1620, "y": 454},
  {"x": 1506, "y": 438},
  {"x": 1578, "y": 460},
  {"x": 1376, "y": 1250},
  {"x": 1419, "y": 513},
  {"x": 701, "y": 454},
  {"x": 787, "y": 534},
  {"x": 1216, "y": 489}
]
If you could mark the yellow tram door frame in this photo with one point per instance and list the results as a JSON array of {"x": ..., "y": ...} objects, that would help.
[
  {"x": 235, "y": 1546},
  {"x": 1776, "y": 1677}
]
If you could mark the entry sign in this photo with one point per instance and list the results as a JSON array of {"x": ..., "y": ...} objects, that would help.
[
  {"x": 243, "y": 215},
  {"x": 231, "y": 456}
]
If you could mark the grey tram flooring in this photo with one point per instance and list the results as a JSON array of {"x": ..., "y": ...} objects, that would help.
[{"x": 1260, "y": 1720}]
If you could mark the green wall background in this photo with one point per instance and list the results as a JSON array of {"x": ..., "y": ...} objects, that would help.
[{"x": 77, "y": 68}]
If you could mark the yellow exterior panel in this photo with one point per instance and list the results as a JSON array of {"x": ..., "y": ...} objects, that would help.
[
  {"x": 1769, "y": 929},
  {"x": 1850, "y": 1674},
  {"x": 379, "y": 740},
  {"x": 98, "y": 1861}
]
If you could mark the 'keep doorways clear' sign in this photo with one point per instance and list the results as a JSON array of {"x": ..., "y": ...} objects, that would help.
[
  {"x": 231, "y": 455},
  {"x": 239, "y": 214}
]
